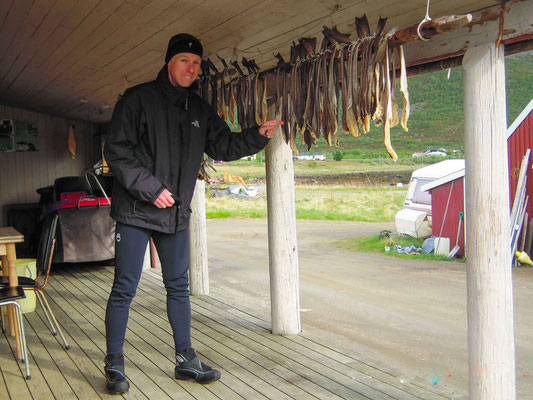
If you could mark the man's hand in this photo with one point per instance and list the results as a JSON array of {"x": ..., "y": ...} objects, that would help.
[
  {"x": 164, "y": 200},
  {"x": 269, "y": 128}
]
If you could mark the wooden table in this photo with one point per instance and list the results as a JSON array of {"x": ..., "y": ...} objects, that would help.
[{"x": 8, "y": 237}]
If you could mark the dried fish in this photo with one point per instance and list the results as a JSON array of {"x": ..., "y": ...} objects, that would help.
[
  {"x": 308, "y": 88},
  {"x": 388, "y": 113},
  {"x": 403, "y": 89},
  {"x": 232, "y": 103},
  {"x": 331, "y": 104},
  {"x": 257, "y": 98},
  {"x": 350, "y": 84},
  {"x": 394, "y": 118},
  {"x": 362, "y": 27}
]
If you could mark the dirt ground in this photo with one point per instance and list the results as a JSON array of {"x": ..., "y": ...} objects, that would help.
[{"x": 409, "y": 315}]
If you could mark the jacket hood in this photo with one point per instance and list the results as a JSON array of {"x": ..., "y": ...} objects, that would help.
[{"x": 176, "y": 94}]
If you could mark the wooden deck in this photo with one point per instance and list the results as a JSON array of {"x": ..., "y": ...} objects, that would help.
[{"x": 254, "y": 363}]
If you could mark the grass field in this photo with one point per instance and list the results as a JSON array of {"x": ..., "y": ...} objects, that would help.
[
  {"x": 377, "y": 204},
  {"x": 256, "y": 169},
  {"x": 325, "y": 202},
  {"x": 370, "y": 204}
]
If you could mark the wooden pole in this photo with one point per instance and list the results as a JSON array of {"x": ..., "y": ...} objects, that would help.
[
  {"x": 491, "y": 354},
  {"x": 282, "y": 245},
  {"x": 430, "y": 28},
  {"x": 198, "y": 266}
]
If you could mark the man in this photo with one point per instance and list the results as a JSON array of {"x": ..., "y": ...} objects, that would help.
[{"x": 159, "y": 133}]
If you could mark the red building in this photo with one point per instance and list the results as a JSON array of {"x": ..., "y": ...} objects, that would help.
[
  {"x": 447, "y": 204},
  {"x": 447, "y": 193},
  {"x": 519, "y": 139}
]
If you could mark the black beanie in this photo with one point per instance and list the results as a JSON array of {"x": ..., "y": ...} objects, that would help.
[{"x": 183, "y": 43}]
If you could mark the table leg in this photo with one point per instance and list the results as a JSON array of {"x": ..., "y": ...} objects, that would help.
[
  {"x": 13, "y": 281},
  {"x": 5, "y": 272}
]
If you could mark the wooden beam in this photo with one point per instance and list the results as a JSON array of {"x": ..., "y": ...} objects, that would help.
[
  {"x": 448, "y": 31},
  {"x": 282, "y": 244},
  {"x": 430, "y": 28},
  {"x": 491, "y": 354},
  {"x": 455, "y": 61},
  {"x": 198, "y": 265},
  {"x": 484, "y": 28}
]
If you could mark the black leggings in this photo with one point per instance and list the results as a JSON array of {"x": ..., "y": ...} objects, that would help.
[{"x": 173, "y": 251}]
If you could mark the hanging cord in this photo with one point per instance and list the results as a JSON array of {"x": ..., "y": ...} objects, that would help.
[
  {"x": 426, "y": 19},
  {"x": 500, "y": 30}
]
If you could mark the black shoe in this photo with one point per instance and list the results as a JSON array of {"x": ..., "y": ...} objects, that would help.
[
  {"x": 190, "y": 367},
  {"x": 116, "y": 381}
]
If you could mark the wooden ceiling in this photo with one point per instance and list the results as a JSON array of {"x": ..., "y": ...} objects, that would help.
[{"x": 73, "y": 58}]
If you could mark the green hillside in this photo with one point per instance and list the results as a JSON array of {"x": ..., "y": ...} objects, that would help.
[{"x": 436, "y": 118}]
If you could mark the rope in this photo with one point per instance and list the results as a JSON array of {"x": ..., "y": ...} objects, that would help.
[
  {"x": 500, "y": 29},
  {"x": 426, "y": 19}
]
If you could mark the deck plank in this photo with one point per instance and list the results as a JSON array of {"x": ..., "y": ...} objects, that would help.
[
  {"x": 305, "y": 361},
  {"x": 12, "y": 370},
  {"x": 147, "y": 343},
  {"x": 333, "y": 358},
  {"x": 158, "y": 300},
  {"x": 51, "y": 365},
  {"x": 254, "y": 363},
  {"x": 154, "y": 313},
  {"x": 198, "y": 333},
  {"x": 138, "y": 367}
]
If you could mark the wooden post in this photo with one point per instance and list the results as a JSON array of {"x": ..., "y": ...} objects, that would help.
[
  {"x": 282, "y": 246},
  {"x": 198, "y": 266},
  {"x": 491, "y": 354}
]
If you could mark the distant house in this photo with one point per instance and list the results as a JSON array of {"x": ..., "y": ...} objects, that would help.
[
  {"x": 310, "y": 156},
  {"x": 249, "y": 158}
]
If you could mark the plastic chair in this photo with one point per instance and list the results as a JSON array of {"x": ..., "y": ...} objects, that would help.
[
  {"x": 45, "y": 252},
  {"x": 8, "y": 296}
]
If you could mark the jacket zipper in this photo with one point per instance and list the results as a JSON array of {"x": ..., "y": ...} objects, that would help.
[{"x": 134, "y": 204}]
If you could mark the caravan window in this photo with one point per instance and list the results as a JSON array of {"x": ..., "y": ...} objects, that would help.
[{"x": 419, "y": 196}]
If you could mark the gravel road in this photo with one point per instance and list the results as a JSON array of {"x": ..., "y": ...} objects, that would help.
[{"x": 409, "y": 315}]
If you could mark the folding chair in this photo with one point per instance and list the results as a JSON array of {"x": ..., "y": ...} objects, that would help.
[
  {"x": 45, "y": 252},
  {"x": 8, "y": 296}
]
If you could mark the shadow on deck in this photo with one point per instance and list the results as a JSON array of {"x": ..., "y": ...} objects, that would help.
[{"x": 254, "y": 363}]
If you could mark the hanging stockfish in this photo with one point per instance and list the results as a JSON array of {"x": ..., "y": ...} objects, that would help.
[
  {"x": 247, "y": 84},
  {"x": 213, "y": 85},
  {"x": 394, "y": 120},
  {"x": 292, "y": 106},
  {"x": 318, "y": 117},
  {"x": 204, "y": 81},
  {"x": 387, "y": 117},
  {"x": 403, "y": 89},
  {"x": 282, "y": 95},
  {"x": 331, "y": 103},
  {"x": 310, "y": 131},
  {"x": 223, "y": 91},
  {"x": 235, "y": 99},
  {"x": 350, "y": 83},
  {"x": 237, "y": 91},
  {"x": 215, "y": 76}
]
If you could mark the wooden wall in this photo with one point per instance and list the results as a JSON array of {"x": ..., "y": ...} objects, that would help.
[{"x": 21, "y": 173}]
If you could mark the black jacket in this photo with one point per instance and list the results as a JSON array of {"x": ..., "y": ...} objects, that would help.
[{"x": 157, "y": 140}]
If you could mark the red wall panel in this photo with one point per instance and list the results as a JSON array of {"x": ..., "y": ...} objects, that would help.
[
  {"x": 439, "y": 199},
  {"x": 517, "y": 145}
]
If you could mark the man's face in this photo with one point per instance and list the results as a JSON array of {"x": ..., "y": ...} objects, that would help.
[{"x": 183, "y": 69}]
